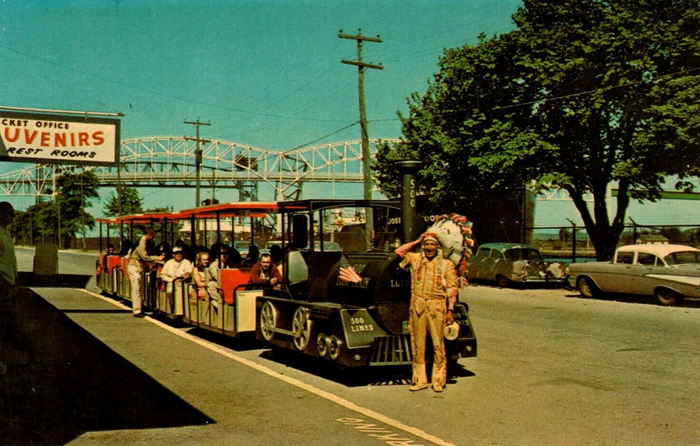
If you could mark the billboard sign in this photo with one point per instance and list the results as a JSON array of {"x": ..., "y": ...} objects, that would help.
[{"x": 46, "y": 138}]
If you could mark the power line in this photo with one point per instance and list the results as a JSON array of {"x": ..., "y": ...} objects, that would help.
[
  {"x": 326, "y": 136},
  {"x": 595, "y": 90}
]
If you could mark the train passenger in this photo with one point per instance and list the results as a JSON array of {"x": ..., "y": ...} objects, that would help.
[
  {"x": 235, "y": 258},
  {"x": 276, "y": 254},
  {"x": 165, "y": 249},
  {"x": 185, "y": 249},
  {"x": 101, "y": 265},
  {"x": 433, "y": 296},
  {"x": 252, "y": 257},
  {"x": 222, "y": 260},
  {"x": 8, "y": 260},
  {"x": 263, "y": 273},
  {"x": 206, "y": 285},
  {"x": 176, "y": 269},
  {"x": 138, "y": 260}
]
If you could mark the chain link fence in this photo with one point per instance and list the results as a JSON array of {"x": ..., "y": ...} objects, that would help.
[{"x": 571, "y": 243}]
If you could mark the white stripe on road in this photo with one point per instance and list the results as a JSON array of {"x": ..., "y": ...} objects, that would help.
[{"x": 293, "y": 381}]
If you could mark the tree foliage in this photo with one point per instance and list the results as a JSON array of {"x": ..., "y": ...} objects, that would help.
[
  {"x": 65, "y": 216},
  {"x": 582, "y": 95},
  {"x": 124, "y": 201}
]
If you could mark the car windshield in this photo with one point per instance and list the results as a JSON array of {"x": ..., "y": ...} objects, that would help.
[
  {"x": 682, "y": 257},
  {"x": 523, "y": 254}
]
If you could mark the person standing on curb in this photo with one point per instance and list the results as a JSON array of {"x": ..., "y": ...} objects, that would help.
[
  {"x": 8, "y": 278},
  {"x": 138, "y": 259},
  {"x": 433, "y": 296},
  {"x": 8, "y": 260}
]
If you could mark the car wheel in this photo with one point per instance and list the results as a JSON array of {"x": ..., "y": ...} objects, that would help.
[
  {"x": 664, "y": 296},
  {"x": 587, "y": 288},
  {"x": 502, "y": 281}
]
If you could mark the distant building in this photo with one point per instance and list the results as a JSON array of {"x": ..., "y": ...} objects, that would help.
[{"x": 656, "y": 239}]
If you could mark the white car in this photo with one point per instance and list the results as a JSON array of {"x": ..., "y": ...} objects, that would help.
[{"x": 667, "y": 272}]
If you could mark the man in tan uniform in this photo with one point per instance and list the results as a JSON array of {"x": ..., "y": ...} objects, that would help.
[
  {"x": 138, "y": 259},
  {"x": 433, "y": 296}
]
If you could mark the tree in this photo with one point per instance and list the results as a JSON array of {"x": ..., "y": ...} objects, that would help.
[
  {"x": 582, "y": 96},
  {"x": 125, "y": 201},
  {"x": 75, "y": 193},
  {"x": 61, "y": 219}
]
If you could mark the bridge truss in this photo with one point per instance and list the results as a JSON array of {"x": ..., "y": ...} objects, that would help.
[{"x": 166, "y": 162}]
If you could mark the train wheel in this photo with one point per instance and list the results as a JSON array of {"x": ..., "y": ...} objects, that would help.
[
  {"x": 301, "y": 327},
  {"x": 268, "y": 320},
  {"x": 322, "y": 345},
  {"x": 334, "y": 346}
]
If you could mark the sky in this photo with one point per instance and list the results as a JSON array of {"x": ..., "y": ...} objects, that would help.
[{"x": 265, "y": 73}]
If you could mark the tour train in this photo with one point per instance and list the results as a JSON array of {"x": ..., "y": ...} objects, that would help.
[{"x": 313, "y": 311}]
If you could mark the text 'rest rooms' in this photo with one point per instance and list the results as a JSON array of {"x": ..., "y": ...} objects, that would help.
[{"x": 54, "y": 139}]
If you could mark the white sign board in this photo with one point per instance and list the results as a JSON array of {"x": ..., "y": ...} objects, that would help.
[{"x": 34, "y": 137}]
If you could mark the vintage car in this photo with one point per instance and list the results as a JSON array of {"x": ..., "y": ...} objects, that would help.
[
  {"x": 508, "y": 263},
  {"x": 667, "y": 272}
]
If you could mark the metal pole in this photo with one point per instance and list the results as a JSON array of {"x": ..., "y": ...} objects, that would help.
[{"x": 198, "y": 157}]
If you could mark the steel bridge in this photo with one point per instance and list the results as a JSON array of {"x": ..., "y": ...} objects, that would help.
[{"x": 166, "y": 161}]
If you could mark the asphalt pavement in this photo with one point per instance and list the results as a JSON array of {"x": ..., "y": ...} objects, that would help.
[{"x": 553, "y": 369}]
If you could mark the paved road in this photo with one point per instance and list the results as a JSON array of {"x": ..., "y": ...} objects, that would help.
[{"x": 552, "y": 369}]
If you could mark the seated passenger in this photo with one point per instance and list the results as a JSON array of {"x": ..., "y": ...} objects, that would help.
[
  {"x": 206, "y": 286},
  {"x": 235, "y": 258},
  {"x": 276, "y": 254},
  {"x": 176, "y": 269},
  {"x": 222, "y": 260},
  {"x": 252, "y": 257},
  {"x": 263, "y": 273},
  {"x": 101, "y": 265}
]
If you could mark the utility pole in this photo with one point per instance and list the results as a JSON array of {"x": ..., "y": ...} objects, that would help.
[
  {"x": 198, "y": 156},
  {"x": 361, "y": 67},
  {"x": 366, "y": 172}
]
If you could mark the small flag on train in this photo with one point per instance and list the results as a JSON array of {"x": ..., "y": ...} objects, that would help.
[{"x": 348, "y": 274}]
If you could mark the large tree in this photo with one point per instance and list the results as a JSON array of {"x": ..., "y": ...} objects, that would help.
[
  {"x": 125, "y": 201},
  {"x": 582, "y": 95}
]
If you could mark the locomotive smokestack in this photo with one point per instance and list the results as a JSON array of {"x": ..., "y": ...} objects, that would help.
[{"x": 409, "y": 213}]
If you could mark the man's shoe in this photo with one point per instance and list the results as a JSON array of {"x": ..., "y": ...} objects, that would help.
[
  {"x": 437, "y": 388},
  {"x": 139, "y": 315},
  {"x": 416, "y": 387}
]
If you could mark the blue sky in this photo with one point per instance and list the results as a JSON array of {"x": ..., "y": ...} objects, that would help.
[{"x": 266, "y": 73}]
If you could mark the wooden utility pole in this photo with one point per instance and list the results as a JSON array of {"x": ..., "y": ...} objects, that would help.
[
  {"x": 198, "y": 156},
  {"x": 361, "y": 67},
  {"x": 366, "y": 172}
]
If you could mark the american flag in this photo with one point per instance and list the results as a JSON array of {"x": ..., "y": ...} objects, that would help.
[{"x": 348, "y": 274}]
